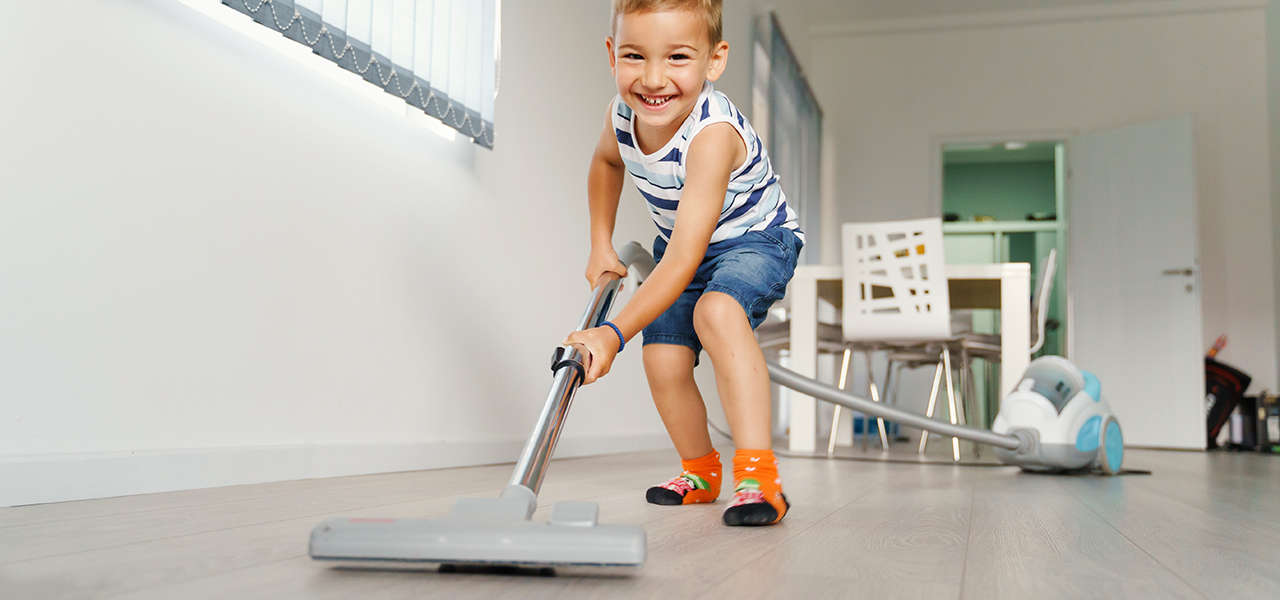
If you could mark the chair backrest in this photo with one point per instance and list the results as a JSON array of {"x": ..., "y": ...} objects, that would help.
[
  {"x": 895, "y": 282},
  {"x": 1040, "y": 297}
]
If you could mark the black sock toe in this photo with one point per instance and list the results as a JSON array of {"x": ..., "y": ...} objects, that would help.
[
  {"x": 663, "y": 496},
  {"x": 756, "y": 513},
  {"x": 759, "y": 513}
]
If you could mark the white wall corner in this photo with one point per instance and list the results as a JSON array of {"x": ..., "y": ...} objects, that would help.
[{"x": 829, "y": 205}]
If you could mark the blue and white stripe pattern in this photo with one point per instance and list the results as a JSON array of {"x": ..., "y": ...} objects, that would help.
[{"x": 754, "y": 201}]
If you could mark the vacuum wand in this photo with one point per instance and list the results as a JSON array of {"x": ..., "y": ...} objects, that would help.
[{"x": 569, "y": 365}]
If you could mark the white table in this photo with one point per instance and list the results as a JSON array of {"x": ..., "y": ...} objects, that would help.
[{"x": 1004, "y": 286}]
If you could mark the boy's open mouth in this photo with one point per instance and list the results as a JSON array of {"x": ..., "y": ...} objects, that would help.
[{"x": 655, "y": 101}]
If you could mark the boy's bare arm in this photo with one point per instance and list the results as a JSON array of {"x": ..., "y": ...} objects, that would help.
[
  {"x": 712, "y": 156},
  {"x": 604, "y": 187}
]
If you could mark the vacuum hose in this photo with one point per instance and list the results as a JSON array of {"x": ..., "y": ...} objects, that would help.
[
  {"x": 637, "y": 258},
  {"x": 786, "y": 377}
]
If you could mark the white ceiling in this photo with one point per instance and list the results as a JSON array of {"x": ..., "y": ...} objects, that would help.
[
  {"x": 799, "y": 16},
  {"x": 836, "y": 11}
]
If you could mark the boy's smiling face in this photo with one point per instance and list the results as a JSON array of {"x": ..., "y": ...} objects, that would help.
[{"x": 660, "y": 60}]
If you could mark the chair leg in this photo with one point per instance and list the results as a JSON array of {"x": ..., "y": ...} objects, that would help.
[
  {"x": 993, "y": 384},
  {"x": 835, "y": 415},
  {"x": 933, "y": 397},
  {"x": 888, "y": 385},
  {"x": 951, "y": 401},
  {"x": 962, "y": 410},
  {"x": 961, "y": 404},
  {"x": 969, "y": 396},
  {"x": 993, "y": 391},
  {"x": 897, "y": 382},
  {"x": 963, "y": 371},
  {"x": 875, "y": 397},
  {"x": 897, "y": 385},
  {"x": 866, "y": 440}
]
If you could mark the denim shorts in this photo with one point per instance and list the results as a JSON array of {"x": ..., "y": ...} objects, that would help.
[{"x": 753, "y": 269}]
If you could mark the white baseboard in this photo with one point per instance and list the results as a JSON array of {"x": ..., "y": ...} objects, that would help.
[{"x": 60, "y": 478}]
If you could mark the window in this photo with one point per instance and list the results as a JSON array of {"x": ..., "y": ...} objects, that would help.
[
  {"x": 440, "y": 56},
  {"x": 787, "y": 114}
]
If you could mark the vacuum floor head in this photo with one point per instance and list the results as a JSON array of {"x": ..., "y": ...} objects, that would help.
[{"x": 487, "y": 532}]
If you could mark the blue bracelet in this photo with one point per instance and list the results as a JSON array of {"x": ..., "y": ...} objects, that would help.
[{"x": 622, "y": 343}]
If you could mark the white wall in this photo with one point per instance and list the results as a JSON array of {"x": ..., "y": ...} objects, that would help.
[
  {"x": 892, "y": 90},
  {"x": 1273, "y": 88},
  {"x": 217, "y": 267}
]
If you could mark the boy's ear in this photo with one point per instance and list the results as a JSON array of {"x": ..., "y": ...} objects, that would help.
[
  {"x": 613, "y": 58},
  {"x": 719, "y": 59}
]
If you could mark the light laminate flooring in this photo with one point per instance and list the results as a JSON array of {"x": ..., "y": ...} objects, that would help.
[{"x": 1204, "y": 525}]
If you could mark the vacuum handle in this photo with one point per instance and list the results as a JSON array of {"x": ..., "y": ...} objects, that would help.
[{"x": 637, "y": 259}]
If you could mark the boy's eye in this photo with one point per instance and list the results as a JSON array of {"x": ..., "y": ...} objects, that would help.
[
  {"x": 679, "y": 57},
  {"x": 632, "y": 56}
]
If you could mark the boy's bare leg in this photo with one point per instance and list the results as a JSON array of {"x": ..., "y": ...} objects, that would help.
[
  {"x": 741, "y": 375},
  {"x": 743, "y": 381},
  {"x": 669, "y": 368}
]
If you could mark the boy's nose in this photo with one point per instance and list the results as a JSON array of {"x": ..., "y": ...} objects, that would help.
[{"x": 654, "y": 77}]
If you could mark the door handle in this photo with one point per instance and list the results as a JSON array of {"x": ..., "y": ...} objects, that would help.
[{"x": 1183, "y": 272}]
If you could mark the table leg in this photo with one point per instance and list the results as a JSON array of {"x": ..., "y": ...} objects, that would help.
[
  {"x": 804, "y": 360},
  {"x": 1015, "y": 324}
]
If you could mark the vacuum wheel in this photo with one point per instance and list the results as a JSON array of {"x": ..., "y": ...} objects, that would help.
[{"x": 1111, "y": 447}]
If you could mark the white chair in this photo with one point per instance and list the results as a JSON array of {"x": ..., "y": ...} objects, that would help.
[
  {"x": 891, "y": 304},
  {"x": 1040, "y": 298},
  {"x": 895, "y": 284},
  {"x": 987, "y": 346},
  {"x": 896, "y": 299}
]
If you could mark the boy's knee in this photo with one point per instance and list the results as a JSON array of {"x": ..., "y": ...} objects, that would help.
[
  {"x": 668, "y": 360},
  {"x": 715, "y": 312}
]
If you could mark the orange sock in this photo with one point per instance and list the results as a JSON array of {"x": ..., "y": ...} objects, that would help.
[
  {"x": 700, "y": 482},
  {"x": 757, "y": 491}
]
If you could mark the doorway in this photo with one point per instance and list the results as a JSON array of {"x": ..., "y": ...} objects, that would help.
[{"x": 1004, "y": 201}]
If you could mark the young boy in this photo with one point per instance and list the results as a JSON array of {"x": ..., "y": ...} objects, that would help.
[{"x": 726, "y": 247}]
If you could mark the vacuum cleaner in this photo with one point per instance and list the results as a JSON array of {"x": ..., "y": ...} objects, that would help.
[
  {"x": 1062, "y": 407},
  {"x": 499, "y": 532},
  {"x": 1054, "y": 421}
]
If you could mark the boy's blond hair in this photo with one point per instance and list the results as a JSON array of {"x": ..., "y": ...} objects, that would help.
[{"x": 707, "y": 10}]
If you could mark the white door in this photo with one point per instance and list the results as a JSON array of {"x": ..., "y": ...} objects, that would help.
[{"x": 1135, "y": 278}]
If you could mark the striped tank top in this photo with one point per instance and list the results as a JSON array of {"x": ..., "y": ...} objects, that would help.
[{"x": 754, "y": 201}]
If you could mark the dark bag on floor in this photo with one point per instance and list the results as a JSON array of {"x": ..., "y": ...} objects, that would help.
[{"x": 1223, "y": 388}]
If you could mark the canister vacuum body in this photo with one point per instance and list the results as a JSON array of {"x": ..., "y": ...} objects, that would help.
[{"x": 1062, "y": 408}]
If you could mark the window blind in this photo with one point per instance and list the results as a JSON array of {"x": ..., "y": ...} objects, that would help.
[
  {"x": 440, "y": 56},
  {"x": 785, "y": 107}
]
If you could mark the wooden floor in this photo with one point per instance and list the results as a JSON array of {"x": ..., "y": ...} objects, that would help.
[{"x": 1202, "y": 526}]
